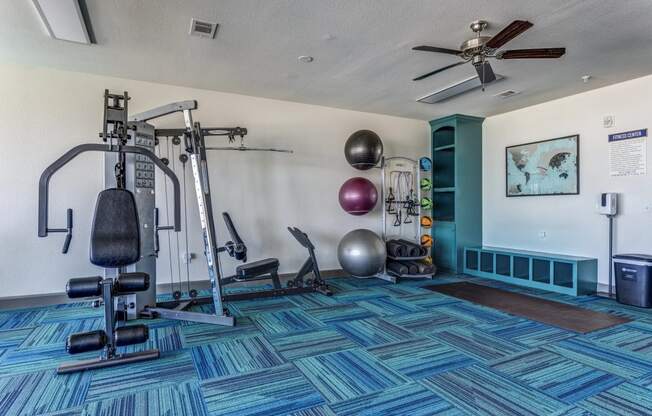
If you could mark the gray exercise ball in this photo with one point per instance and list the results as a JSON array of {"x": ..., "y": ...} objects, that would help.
[
  {"x": 363, "y": 149},
  {"x": 362, "y": 253}
]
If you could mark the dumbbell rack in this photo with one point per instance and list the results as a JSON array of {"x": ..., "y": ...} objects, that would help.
[{"x": 410, "y": 231}]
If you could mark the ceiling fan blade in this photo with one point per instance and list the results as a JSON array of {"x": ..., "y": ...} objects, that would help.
[
  {"x": 438, "y": 70},
  {"x": 436, "y": 49},
  {"x": 511, "y": 31},
  {"x": 485, "y": 72},
  {"x": 539, "y": 53}
]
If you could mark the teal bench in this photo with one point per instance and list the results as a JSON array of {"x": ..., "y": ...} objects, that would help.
[{"x": 571, "y": 275}]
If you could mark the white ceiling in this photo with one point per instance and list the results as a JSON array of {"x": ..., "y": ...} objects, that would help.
[{"x": 362, "y": 50}]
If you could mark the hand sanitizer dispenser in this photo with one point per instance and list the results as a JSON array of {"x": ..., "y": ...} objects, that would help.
[{"x": 608, "y": 204}]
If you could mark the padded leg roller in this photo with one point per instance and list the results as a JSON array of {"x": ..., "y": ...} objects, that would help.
[
  {"x": 132, "y": 334},
  {"x": 84, "y": 287},
  {"x": 132, "y": 282},
  {"x": 86, "y": 341}
]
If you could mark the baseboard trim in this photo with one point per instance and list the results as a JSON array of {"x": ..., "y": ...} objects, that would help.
[{"x": 48, "y": 299}]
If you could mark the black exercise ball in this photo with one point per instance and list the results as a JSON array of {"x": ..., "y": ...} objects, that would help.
[{"x": 363, "y": 149}]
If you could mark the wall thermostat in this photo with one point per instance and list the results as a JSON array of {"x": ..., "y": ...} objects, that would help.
[{"x": 608, "y": 204}]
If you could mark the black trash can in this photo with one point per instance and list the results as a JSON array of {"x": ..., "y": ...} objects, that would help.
[{"x": 633, "y": 274}]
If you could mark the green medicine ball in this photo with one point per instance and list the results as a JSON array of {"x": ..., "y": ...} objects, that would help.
[
  {"x": 426, "y": 184},
  {"x": 426, "y": 203}
]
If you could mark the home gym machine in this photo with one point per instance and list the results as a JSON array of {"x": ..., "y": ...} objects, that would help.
[
  {"x": 115, "y": 244},
  {"x": 135, "y": 171}
]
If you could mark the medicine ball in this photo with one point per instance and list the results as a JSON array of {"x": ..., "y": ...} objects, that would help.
[
  {"x": 425, "y": 164},
  {"x": 426, "y": 240},
  {"x": 426, "y": 203},
  {"x": 363, "y": 149}
]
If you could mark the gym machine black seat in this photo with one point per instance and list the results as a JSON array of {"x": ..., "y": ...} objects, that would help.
[{"x": 267, "y": 269}]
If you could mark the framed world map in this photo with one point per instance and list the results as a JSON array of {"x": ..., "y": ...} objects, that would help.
[{"x": 547, "y": 167}]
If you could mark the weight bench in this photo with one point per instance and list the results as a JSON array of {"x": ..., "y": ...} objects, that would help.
[
  {"x": 115, "y": 243},
  {"x": 267, "y": 269}
]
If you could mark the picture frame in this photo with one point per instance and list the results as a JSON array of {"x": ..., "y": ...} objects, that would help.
[{"x": 543, "y": 168}]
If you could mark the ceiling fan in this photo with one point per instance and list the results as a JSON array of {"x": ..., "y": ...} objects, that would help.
[{"x": 479, "y": 49}]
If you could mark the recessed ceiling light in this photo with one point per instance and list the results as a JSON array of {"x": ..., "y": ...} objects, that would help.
[
  {"x": 63, "y": 20},
  {"x": 305, "y": 59}
]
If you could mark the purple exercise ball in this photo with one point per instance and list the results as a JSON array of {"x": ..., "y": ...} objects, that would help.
[{"x": 358, "y": 196}]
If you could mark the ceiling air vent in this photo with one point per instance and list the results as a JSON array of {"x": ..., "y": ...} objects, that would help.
[
  {"x": 455, "y": 90},
  {"x": 202, "y": 28},
  {"x": 506, "y": 94}
]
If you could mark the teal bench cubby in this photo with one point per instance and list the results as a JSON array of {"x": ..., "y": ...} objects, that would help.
[{"x": 571, "y": 275}]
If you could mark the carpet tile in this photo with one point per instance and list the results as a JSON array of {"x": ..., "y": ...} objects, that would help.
[
  {"x": 477, "y": 344},
  {"x": 425, "y": 322},
  {"x": 272, "y": 391},
  {"x": 234, "y": 356},
  {"x": 408, "y": 399},
  {"x": 473, "y": 313},
  {"x": 481, "y": 391},
  {"x": 347, "y": 374},
  {"x": 373, "y": 331},
  {"x": 21, "y": 318},
  {"x": 523, "y": 331},
  {"x": 555, "y": 375},
  {"x": 374, "y": 348},
  {"x": 170, "y": 369},
  {"x": 281, "y": 322},
  {"x": 634, "y": 337},
  {"x": 312, "y": 300},
  {"x": 42, "y": 392},
  {"x": 419, "y": 358},
  {"x": 384, "y": 306},
  {"x": 184, "y": 399},
  {"x": 340, "y": 313},
  {"x": 254, "y": 307},
  {"x": 14, "y": 337},
  {"x": 624, "y": 399},
  {"x": 429, "y": 300},
  {"x": 198, "y": 334},
  {"x": 309, "y": 343},
  {"x": 615, "y": 361}
]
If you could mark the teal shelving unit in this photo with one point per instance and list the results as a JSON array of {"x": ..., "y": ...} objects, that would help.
[
  {"x": 457, "y": 188},
  {"x": 571, "y": 275}
]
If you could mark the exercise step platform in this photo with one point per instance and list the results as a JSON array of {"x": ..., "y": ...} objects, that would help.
[{"x": 561, "y": 273}]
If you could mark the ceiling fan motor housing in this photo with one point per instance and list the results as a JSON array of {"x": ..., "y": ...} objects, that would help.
[{"x": 474, "y": 46}]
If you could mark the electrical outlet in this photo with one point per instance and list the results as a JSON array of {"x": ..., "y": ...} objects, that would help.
[
  {"x": 187, "y": 257},
  {"x": 542, "y": 235}
]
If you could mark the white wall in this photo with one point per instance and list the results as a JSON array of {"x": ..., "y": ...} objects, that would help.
[
  {"x": 44, "y": 112},
  {"x": 570, "y": 222}
]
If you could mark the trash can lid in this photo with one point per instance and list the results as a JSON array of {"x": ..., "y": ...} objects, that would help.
[{"x": 639, "y": 257}]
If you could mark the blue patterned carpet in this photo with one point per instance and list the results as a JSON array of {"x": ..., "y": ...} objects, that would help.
[{"x": 373, "y": 348}]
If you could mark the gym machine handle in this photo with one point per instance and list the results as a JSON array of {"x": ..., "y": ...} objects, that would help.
[
  {"x": 67, "y": 230},
  {"x": 44, "y": 183},
  {"x": 158, "y": 228}
]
